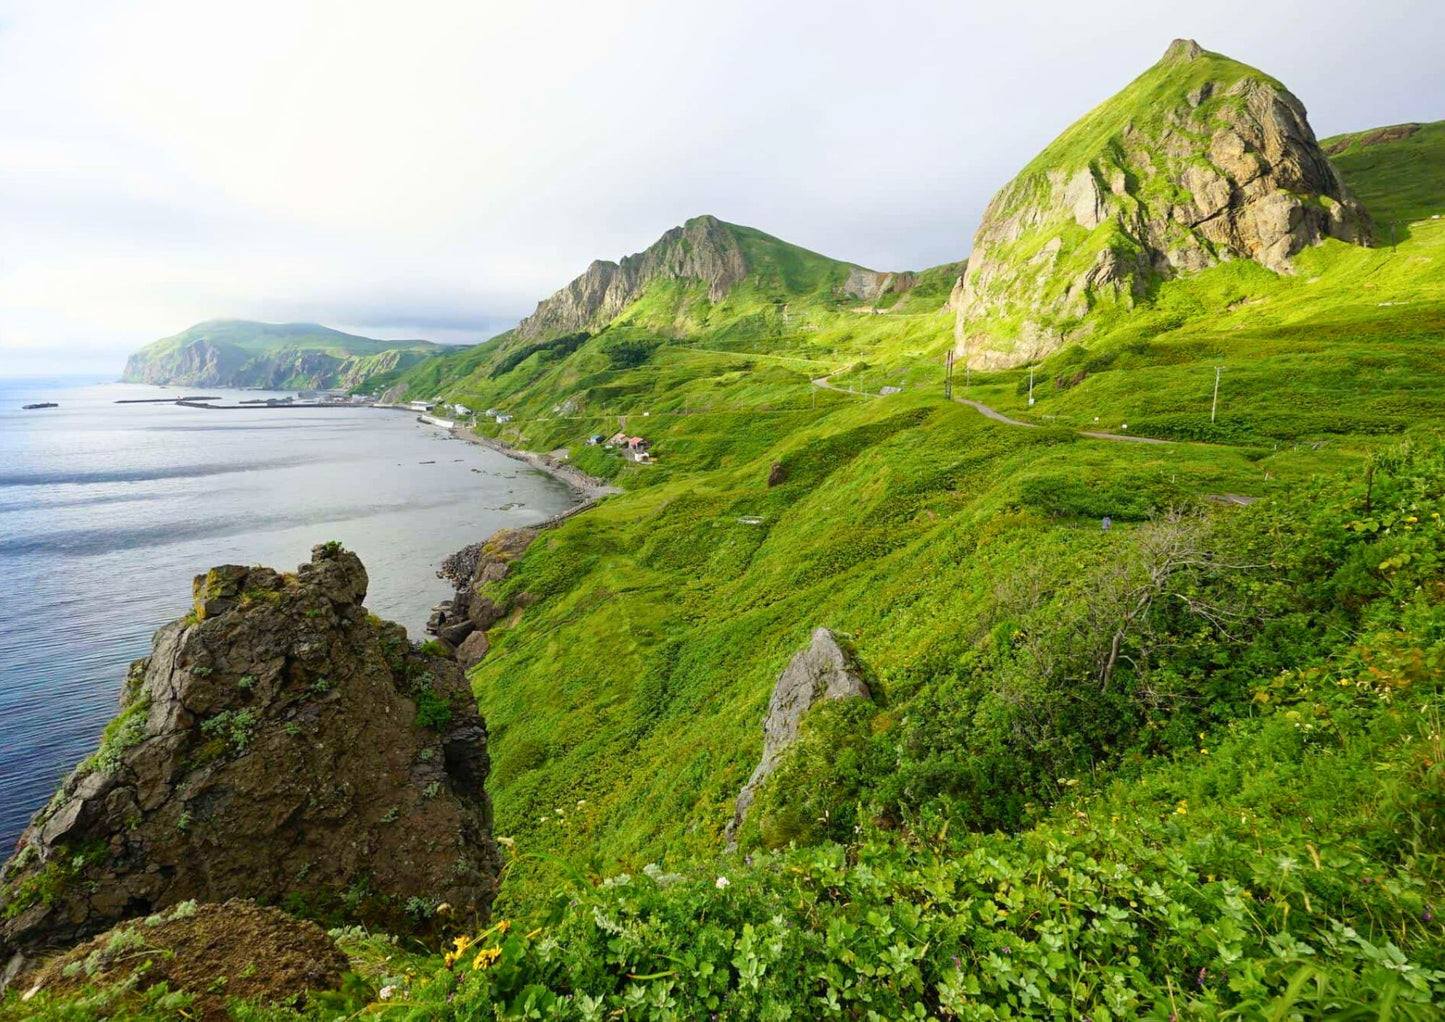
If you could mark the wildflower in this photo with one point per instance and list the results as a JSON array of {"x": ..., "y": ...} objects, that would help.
[
  {"x": 486, "y": 956},
  {"x": 722, "y": 882},
  {"x": 385, "y": 993},
  {"x": 581, "y": 802},
  {"x": 461, "y": 944}
]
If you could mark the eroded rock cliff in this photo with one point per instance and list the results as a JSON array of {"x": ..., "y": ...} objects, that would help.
[
  {"x": 1199, "y": 160},
  {"x": 702, "y": 249},
  {"x": 279, "y": 743}
]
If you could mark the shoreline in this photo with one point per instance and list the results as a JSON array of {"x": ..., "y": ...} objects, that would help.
[{"x": 589, "y": 489}]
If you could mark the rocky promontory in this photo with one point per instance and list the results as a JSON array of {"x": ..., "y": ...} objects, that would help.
[
  {"x": 280, "y": 744},
  {"x": 1198, "y": 161}
]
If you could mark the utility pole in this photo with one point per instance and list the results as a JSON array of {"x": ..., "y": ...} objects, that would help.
[
  {"x": 948, "y": 376},
  {"x": 1214, "y": 408},
  {"x": 1031, "y": 386}
]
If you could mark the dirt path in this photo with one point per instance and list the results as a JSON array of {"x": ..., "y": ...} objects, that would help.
[{"x": 998, "y": 416}]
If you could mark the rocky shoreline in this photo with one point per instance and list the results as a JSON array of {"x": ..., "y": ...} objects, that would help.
[{"x": 589, "y": 488}]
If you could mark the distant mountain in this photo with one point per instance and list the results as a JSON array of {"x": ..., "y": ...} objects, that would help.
[
  {"x": 1198, "y": 161},
  {"x": 242, "y": 353},
  {"x": 709, "y": 260}
]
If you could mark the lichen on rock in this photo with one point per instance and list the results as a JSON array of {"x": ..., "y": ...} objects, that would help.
[{"x": 279, "y": 743}]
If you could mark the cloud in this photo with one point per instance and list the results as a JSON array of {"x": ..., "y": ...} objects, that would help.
[{"x": 443, "y": 165}]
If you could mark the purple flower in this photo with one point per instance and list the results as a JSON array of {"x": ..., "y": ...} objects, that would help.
[
  {"x": 1008, "y": 951},
  {"x": 956, "y": 963}
]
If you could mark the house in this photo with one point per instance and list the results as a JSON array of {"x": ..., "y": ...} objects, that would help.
[
  {"x": 636, "y": 443},
  {"x": 596, "y": 440},
  {"x": 500, "y": 417},
  {"x": 461, "y": 409},
  {"x": 618, "y": 439},
  {"x": 890, "y": 390}
]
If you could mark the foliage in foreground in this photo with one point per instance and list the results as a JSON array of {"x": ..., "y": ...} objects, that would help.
[{"x": 1288, "y": 864}]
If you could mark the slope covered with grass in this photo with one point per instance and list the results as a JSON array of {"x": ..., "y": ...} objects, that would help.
[{"x": 1398, "y": 172}]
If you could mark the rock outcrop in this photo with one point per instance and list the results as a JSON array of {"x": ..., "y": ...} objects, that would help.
[
  {"x": 825, "y": 670},
  {"x": 1198, "y": 161},
  {"x": 461, "y": 623},
  {"x": 703, "y": 249},
  {"x": 213, "y": 952},
  {"x": 279, "y": 743}
]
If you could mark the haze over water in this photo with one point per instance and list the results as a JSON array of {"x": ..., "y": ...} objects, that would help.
[{"x": 107, "y": 512}]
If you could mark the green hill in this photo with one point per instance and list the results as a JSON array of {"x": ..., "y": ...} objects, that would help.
[
  {"x": 1397, "y": 171},
  {"x": 242, "y": 353},
  {"x": 1199, "y": 161},
  {"x": 1186, "y": 766}
]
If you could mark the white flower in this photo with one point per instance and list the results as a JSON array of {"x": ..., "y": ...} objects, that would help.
[
  {"x": 722, "y": 882},
  {"x": 384, "y": 994}
]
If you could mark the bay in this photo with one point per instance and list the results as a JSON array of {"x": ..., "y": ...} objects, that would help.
[{"x": 107, "y": 511}]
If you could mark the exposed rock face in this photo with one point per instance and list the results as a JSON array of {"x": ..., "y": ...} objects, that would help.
[
  {"x": 278, "y": 743},
  {"x": 871, "y": 285},
  {"x": 702, "y": 249},
  {"x": 823, "y": 671},
  {"x": 462, "y": 621},
  {"x": 1198, "y": 161}
]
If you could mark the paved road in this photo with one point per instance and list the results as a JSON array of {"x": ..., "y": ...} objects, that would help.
[{"x": 998, "y": 416}]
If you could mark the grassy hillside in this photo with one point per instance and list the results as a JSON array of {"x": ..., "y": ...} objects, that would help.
[
  {"x": 242, "y": 353},
  {"x": 1397, "y": 172},
  {"x": 1189, "y": 766}
]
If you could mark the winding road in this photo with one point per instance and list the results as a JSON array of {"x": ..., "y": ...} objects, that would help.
[{"x": 998, "y": 416}]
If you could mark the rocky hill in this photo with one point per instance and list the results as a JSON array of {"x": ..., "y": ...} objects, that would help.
[
  {"x": 279, "y": 743},
  {"x": 715, "y": 257},
  {"x": 241, "y": 353},
  {"x": 1199, "y": 160}
]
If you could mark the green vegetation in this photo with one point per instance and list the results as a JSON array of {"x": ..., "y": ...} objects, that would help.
[
  {"x": 1189, "y": 766},
  {"x": 1399, "y": 179},
  {"x": 241, "y": 353}
]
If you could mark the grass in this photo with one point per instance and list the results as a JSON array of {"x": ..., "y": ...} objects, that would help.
[{"x": 1399, "y": 181}]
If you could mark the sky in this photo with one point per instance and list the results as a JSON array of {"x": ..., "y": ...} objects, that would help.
[{"x": 434, "y": 168}]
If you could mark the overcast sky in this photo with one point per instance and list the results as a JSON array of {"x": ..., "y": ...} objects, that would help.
[{"x": 434, "y": 168}]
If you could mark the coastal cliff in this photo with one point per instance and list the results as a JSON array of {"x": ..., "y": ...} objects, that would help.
[
  {"x": 279, "y": 743},
  {"x": 240, "y": 353}
]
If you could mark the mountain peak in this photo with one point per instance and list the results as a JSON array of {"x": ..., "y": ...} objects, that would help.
[
  {"x": 1182, "y": 51},
  {"x": 1199, "y": 160}
]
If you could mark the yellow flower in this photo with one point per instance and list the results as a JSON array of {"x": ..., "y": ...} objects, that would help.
[{"x": 486, "y": 956}]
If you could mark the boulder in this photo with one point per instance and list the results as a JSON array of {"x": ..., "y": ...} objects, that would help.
[
  {"x": 472, "y": 650},
  {"x": 825, "y": 670},
  {"x": 279, "y": 743}
]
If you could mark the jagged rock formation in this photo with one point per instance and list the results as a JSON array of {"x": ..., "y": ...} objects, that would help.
[
  {"x": 1199, "y": 160},
  {"x": 825, "y": 670},
  {"x": 461, "y": 623},
  {"x": 240, "y": 353},
  {"x": 703, "y": 249},
  {"x": 279, "y": 743}
]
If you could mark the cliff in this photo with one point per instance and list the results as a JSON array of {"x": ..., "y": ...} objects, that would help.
[
  {"x": 1199, "y": 160},
  {"x": 240, "y": 353},
  {"x": 279, "y": 743}
]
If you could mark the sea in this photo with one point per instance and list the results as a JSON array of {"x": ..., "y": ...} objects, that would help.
[{"x": 107, "y": 512}]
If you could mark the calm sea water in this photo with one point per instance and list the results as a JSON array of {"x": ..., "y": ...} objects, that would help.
[{"x": 107, "y": 511}]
